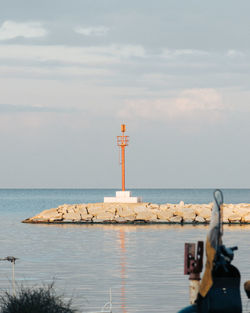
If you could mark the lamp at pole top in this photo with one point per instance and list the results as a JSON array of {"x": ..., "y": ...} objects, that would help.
[
  {"x": 123, "y": 140},
  {"x": 123, "y": 128}
]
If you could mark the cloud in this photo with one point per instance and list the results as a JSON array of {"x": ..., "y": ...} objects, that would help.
[
  {"x": 12, "y": 108},
  {"x": 10, "y": 30},
  {"x": 48, "y": 121},
  {"x": 55, "y": 71},
  {"x": 92, "y": 31},
  {"x": 235, "y": 53},
  {"x": 189, "y": 103},
  {"x": 71, "y": 55},
  {"x": 171, "y": 53}
]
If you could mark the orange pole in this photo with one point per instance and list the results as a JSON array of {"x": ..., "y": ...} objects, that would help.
[
  {"x": 123, "y": 167},
  {"x": 122, "y": 141}
]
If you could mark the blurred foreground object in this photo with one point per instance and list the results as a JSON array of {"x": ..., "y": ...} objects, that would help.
[
  {"x": 12, "y": 259},
  {"x": 219, "y": 291},
  {"x": 193, "y": 264},
  {"x": 37, "y": 300},
  {"x": 247, "y": 288}
]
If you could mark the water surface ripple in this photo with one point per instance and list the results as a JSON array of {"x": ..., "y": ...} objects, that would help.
[{"x": 143, "y": 265}]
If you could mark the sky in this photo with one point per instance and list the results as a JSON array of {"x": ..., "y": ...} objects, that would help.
[{"x": 175, "y": 72}]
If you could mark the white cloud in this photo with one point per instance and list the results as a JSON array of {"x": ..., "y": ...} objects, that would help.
[
  {"x": 188, "y": 103},
  {"x": 71, "y": 55},
  {"x": 57, "y": 71},
  {"x": 235, "y": 53},
  {"x": 168, "y": 53},
  {"x": 92, "y": 31},
  {"x": 10, "y": 30}
]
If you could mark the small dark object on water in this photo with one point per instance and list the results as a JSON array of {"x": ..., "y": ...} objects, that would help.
[
  {"x": 247, "y": 288},
  {"x": 36, "y": 300}
]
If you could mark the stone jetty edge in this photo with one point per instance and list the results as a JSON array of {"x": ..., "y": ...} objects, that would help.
[{"x": 136, "y": 213}]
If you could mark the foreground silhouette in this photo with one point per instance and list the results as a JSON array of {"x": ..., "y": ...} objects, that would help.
[{"x": 34, "y": 300}]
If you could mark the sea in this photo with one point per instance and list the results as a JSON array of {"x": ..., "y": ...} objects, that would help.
[{"x": 140, "y": 267}]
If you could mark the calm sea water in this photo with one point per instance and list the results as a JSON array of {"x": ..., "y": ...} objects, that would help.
[{"x": 143, "y": 265}]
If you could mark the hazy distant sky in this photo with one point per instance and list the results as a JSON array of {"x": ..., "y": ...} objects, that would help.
[{"x": 176, "y": 72}]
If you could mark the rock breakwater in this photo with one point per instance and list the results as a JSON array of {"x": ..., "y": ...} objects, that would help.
[{"x": 141, "y": 213}]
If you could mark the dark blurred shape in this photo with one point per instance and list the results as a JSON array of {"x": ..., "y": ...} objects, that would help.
[
  {"x": 34, "y": 300},
  {"x": 247, "y": 288}
]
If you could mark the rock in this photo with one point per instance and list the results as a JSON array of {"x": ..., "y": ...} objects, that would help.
[
  {"x": 155, "y": 220},
  {"x": 148, "y": 212},
  {"x": 204, "y": 213},
  {"x": 81, "y": 206},
  {"x": 154, "y": 206},
  {"x": 155, "y": 211},
  {"x": 178, "y": 211},
  {"x": 112, "y": 210},
  {"x": 145, "y": 215},
  {"x": 119, "y": 219},
  {"x": 82, "y": 210},
  {"x": 245, "y": 205},
  {"x": 164, "y": 207},
  {"x": 86, "y": 218},
  {"x": 71, "y": 208},
  {"x": 35, "y": 220},
  {"x": 200, "y": 219},
  {"x": 197, "y": 209},
  {"x": 139, "y": 209},
  {"x": 181, "y": 204},
  {"x": 227, "y": 210},
  {"x": 56, "y": 218},
  {"x": 175, "y": 219},
  {"x": 170, "y": 211},
  {"x": 62, "y": 208},
  {"x": 229, "y": 206},
  {"x": 46, "y": 214},
  {"x": 124, "y": 212},
  {"x": 234, "y": 218},
  {"x": 106, "y": 216},
  {"x": 72, "y": 216},
  {"x": 188, "y": 214},
  {"x": 95, "y": 210},
  {"x": 188, "y": 221},
  {"x": 185, "y": 213},
  {"x": 164, "y": 215},
  {"x": 208, "y": 206},
  {"x": 96, "y": 220},
  {"x": 246, "y": 218},
  {"x": 226, "y": 213},
  {"x": 130, "y": 218},
  {"x": 242, "y": 211}
]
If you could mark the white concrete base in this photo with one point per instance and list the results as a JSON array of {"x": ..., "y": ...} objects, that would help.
[{"x": 122, "y": 197}]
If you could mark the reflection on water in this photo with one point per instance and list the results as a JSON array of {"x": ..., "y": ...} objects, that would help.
[
  {"x": 123, "y": 269},
  {"x": 134, "y": 227}
]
